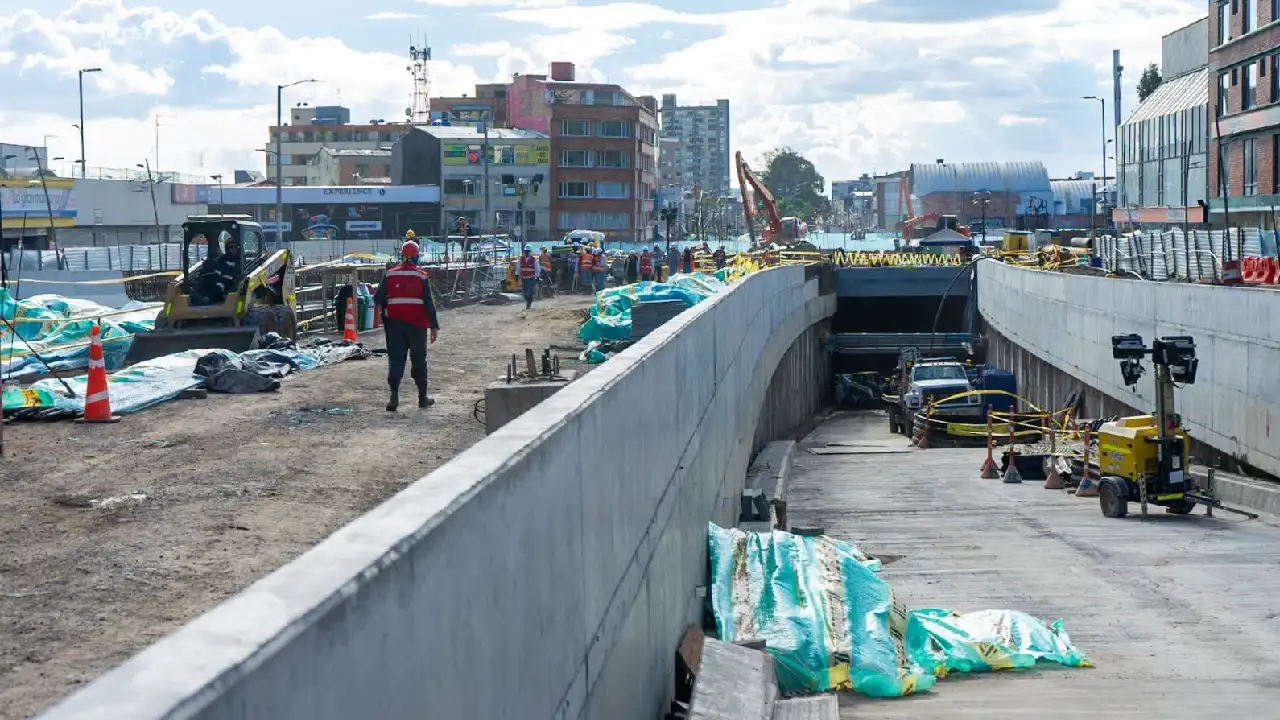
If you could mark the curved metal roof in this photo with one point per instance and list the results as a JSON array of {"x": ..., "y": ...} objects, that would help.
[
  {"x": 1073, "y": 194},
  {"x": 1015, "y": 177}
]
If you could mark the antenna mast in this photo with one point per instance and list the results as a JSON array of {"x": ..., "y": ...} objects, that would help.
[{"x": 420, "y": 69}]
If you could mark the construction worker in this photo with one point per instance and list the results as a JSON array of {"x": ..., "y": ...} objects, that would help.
[
  {"x": 646, "y": 266},
  {"x": 673, "y": 261},
  {"x": 218, "y": 277},
  {"x": 719, "y": 257},
  {"x": 688, "y": 260},
  {"x": 633, "y": 268},
  {"x": 544, "y": 262},
  {"x": 601, "y": 267},
  {"x": 657, "y": 262},
  {"x": 409, "y": 320},
  {"x": 583, "y": 277},
  {"x": 528, "y": 270}
]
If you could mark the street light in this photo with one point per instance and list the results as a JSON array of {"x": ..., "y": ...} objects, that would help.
[
  {"x": 279, "y": 179},
  {"x": 1103, "y": 103},
  {"x": 221, "y": 205},
  {"x": 81, "y": 125},
  {"x": 982, "y": 199}
]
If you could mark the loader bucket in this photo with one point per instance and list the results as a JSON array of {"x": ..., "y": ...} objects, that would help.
[{"x": 158, "y": 343}]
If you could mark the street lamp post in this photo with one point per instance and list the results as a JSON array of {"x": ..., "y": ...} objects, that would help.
[
  {"x": 484, "y": 128},
  {"x": 221, "y": 205},
  {"x": 983, "y": 199},
  {"x": 1103, "y": 103},
  {"x": 669, "y": 215},
  {"x": 279, "y": 178},
  {"x": 81, "y": 125}
]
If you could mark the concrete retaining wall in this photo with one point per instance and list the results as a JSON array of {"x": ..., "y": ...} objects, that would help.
[
  {"x": 547, "y": 572},
  {"x": 1068, "y": 321}
]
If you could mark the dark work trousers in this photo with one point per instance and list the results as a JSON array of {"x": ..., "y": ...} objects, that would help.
[
  {"x": 405, "y": 339},
  {"x": 528, "y": 286}
]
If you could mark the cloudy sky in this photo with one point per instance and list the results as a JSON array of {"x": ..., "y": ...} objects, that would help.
[{"x": 857, "y": 85}]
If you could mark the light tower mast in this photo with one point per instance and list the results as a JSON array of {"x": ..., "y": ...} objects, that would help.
[{"x": 420, "y": 69}]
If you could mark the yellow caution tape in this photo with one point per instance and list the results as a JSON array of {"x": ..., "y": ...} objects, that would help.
[{"x": 108, "y": 281}]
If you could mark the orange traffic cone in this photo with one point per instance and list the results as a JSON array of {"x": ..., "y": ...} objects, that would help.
[
  {"x": 1011, "y": 474},
  {"x": 349, "y": 324},
  {"x": 1087, "y": 488},
  {"x": 924, "y": 433},
  {"x": 989, "y": 469},
  {"x": 1052, "y": 480},
  {"x": 97, "y": 401}
]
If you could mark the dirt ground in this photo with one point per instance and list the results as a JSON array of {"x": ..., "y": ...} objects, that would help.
[{"x": 114, "y": 535}]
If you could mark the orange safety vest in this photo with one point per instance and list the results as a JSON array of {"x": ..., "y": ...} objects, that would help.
[
  {"x": 528, "y": 264},
  {"x": 406, "y": 293},
  {"x": 646, "y": 264},
  {"x": 546, "y": 260},
  {"x": 584, "y": 261}
]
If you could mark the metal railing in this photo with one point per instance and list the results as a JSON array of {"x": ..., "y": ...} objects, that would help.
[{"x": 124, "y": 258}]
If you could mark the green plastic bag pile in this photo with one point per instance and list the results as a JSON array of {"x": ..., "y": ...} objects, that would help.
[
  {"x": 831, "y": 623},
  {"x": 611, "y": 315},
  {"x": 57, "y": 328}
]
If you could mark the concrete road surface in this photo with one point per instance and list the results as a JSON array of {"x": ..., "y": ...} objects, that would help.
[{"x": 1181, "y": 614}]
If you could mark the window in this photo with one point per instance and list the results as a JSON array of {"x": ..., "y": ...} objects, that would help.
[
  {"x": 1275, "y": 167},
  {"x": 1274, "y": 73},
  {"x": 1249, "y": 95},
  {"x": 575, "y": 189},
  {"x": 575, "y": 158},
  {"x": 506, "y": 154},
  {"x": 594, "y": 221},
  {"x": 1222, "y": 95},
  {"x": 575, "y": 128},
  {"x": 615, "y": 128},
  {"x": 613, "y": 190},
  {"x": 462, "y": 186},
  {"x": 1224, "y": 156},
  {"x": 613, "y": 159},
  {"x": 603, "y": 97},
  {"x": 1249, "y": 158}
]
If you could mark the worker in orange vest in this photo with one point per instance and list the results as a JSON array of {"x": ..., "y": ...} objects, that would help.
[
  {"x": 544, "y": 261},
  {"x": 528, "y": 276},
  {"x": 646, "y": 266},
  {"x": 583, "y": 277},
  {"x": 409, "y": 320}
]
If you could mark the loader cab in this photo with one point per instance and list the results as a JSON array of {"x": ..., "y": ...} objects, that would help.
[{"x": 214, "y": 233}]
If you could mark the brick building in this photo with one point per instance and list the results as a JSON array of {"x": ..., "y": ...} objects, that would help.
[
  {"x": 490, "y": 101},
  {"x": 603, "y": 151},
  {"x": 315, "y": 128},
  {"x": 1244, "y": 100},
  {"x": 349, "y": 167}
]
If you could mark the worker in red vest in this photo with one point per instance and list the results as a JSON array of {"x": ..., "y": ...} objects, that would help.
[
  {"x": 544, "y": 265},
  {"x": 409, "y": 320},
  {"x": 601, "y": 267},
  {"x": 528, "y": 269},
  {"x": 646, "y": 266}
]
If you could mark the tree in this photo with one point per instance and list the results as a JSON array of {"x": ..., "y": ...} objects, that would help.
[
  {"x": 1149, "y": 81},
  {"x": 795, "y": 183}
]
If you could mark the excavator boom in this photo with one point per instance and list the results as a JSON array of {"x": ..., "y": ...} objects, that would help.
[{"x": 751, "y": 189}]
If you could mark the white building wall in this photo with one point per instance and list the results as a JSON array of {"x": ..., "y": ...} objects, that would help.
[{"x": 120, "y": 212}]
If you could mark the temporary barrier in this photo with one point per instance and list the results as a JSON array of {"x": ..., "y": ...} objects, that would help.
[
  {"x": 57, "y": 328},
  {"x": 832, "y": 624}
]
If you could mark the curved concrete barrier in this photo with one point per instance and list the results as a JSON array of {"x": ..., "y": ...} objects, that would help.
[
  {"x": 547, "y": 572},
  {"x": 1068, "y": 321}
]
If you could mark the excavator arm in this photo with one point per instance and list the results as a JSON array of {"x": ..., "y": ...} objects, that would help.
[{"x": 751, "y": 189}]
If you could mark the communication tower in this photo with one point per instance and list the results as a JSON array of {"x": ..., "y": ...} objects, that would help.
[{"x": 420, "y": 69}]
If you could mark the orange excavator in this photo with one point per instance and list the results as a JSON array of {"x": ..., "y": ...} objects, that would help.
[
  {"x": 781, "y": 230},
  {"x": 913, "y": 221}
]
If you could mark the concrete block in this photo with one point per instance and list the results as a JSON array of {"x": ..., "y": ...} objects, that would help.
[
  {"x": 818, "y": 707},
  {"x": 733, "y": 683},
  {"x": 504, "y": 402}
]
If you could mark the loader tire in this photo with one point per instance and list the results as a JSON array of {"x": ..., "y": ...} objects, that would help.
[
  {"x": 286, "y": 321},
  {"x": 261, "y": 317}
]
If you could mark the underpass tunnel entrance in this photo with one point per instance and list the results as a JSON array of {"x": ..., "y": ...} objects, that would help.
[{"x": 893, "y": 315}]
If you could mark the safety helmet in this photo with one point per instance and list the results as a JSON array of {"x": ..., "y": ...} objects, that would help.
[
  {"x": 410, "y": 235},
  {"x": 409, "y": 249}
]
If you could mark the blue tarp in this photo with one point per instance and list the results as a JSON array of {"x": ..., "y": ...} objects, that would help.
[
  {"x": 611, "y": 315},
  {"x": 832, "y": 624},
  {"x": 58, "y": 328}
]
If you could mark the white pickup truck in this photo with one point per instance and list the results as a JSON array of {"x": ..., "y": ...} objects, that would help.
[{"x": 932, "y": 380}]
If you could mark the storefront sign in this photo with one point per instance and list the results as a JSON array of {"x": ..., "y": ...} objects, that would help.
[
  {"x": 501, "y": 154},
  {"x": 266, "y": 195},
  {"x": 364, "y": 225},
  {"x": 23, "y": 197}
]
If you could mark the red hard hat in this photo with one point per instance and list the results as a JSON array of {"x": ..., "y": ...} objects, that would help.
[{"x": 409, "y": 249}]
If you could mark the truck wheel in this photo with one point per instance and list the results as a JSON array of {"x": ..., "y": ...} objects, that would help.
[
  {"x": 1183, "y": 506},
  {"x": 1113, "y": 498}
]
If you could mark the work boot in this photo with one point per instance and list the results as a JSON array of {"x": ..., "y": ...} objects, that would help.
[
  {"x": 394, "y": 402},
  {"x": 424, "y": 400}
]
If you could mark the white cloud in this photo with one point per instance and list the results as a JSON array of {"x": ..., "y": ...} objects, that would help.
[
  {"x": 394, "y": 16},
  {"x": 1012, "y": 119},
  {"x": 470, "y": 4}
]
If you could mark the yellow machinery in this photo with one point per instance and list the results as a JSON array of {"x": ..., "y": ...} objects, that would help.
[
  {"x": 1146, "y": 459},
  {"x": 193, "y": 316}
]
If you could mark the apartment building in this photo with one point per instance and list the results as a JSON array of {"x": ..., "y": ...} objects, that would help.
[
  {"x": 1162, "y": 165},
  {"x": 349, "y": 167},
  {"x": 702, "y": 159},
  {"x": 603, "y": 151},
  {"x": 312, "y": 129},
  {"x": 489, "y": 103},
  {"x": 1244, "y": 100}
]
